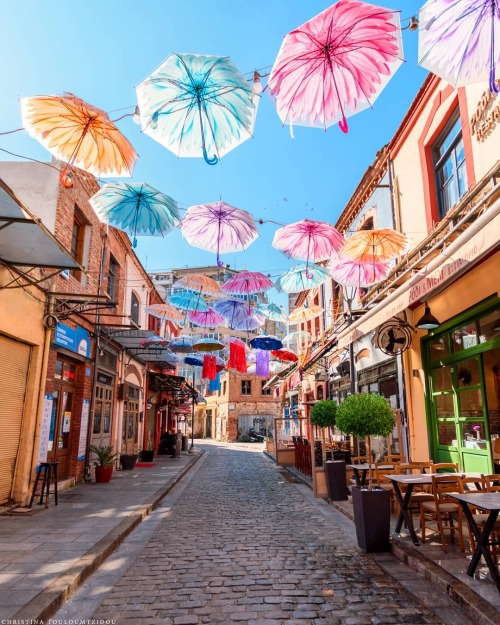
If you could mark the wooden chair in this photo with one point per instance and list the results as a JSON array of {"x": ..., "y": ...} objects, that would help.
[
  {"x": 393, "y": 458},
  {"x": 381, "y": 471},
  {"x": 472, "y": 485},
  {"x": 445, "y": 467},
  {"x": 444, "y": 511},
  {"x": 359, "y": 460}
]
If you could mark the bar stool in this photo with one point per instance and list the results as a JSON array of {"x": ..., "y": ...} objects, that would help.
[{"x": 49, "y": 473}]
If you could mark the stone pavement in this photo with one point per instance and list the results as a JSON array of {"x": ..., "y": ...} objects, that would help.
[{"x": 46, "y": 554}]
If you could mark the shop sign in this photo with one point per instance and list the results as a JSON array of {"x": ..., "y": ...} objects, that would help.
[
  {"x": 83, "y": 429},
  {"x": 45, "y": 428},
  {"x": 74, "y": 339},
  {"x": 481, "y": 125}
]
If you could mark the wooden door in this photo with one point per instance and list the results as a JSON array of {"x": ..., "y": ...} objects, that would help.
[{"x": 60, "y": 427}]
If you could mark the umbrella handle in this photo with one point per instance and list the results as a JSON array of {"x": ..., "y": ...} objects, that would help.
[
  {"x": 210, "y": 161},
  {"x": 494, "y": 87},
  {"x": 343, "y": 125}
]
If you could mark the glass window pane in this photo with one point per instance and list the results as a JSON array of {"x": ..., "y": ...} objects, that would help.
[
  {"x": 447, "y": 433},
  {"x": 489, "y": 327},
  {"x": 464, "y": 338},
  {"x": 58, "y": 370},
  {"x": 444, "y": 405},
  {"x": 439, "y": 348},
  {"x": 473, "y": 435},
  {"x": 442, "y": 379},
  {"x": 468, "y": 372},
  {"x": 471, "y": 402},
  {"x": 451, "y": 135},
  {"x": 107, "y": 418},
  {"x": 97, "y": 417}
]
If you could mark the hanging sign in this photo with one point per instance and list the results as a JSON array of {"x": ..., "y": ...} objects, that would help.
[{"x": 75, "y": 339}]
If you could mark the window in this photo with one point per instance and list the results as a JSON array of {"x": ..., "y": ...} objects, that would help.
[
  {"x": 134, "y": 308},
  {"x": 112, "y": 277},
  {"x": 224, "y": 387},
  {"x": 246, "y": 387},
  {"x": 449, "y": 165},
  {"x": 264, "y": 391},
  {"x": 78, "y": 240}
]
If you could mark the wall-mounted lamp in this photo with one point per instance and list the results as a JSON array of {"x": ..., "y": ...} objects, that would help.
[{"x": 428, "y": 321}]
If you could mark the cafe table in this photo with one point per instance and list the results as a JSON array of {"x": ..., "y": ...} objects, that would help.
[
  {"x": 491, "y": 503},
  {"x": 360, "y": 471}
]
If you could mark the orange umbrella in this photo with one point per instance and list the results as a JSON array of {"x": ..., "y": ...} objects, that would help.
[
  {"x": 200, "y": 284},
  {"x": 375, "y": 245},
  {"x": 304, "y": 313},
  {"x": 79, "y": 134},
  {"x": 164, "y": 311}
]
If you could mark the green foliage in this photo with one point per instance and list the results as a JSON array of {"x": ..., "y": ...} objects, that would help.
[
  {"x": 324, "y": 413},
  {"x": 365, "y": 414},
  {"x": 105, "y": 455}
]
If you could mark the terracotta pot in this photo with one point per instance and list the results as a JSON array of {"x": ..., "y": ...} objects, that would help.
[{"x": 103, "y": 474}]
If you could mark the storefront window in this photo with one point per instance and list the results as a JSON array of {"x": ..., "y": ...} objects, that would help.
[
  {"x": 442, "y": 379},
  {"x": 468, "y": 372},
  {"x": 464, "y": 338},
  {"x": 444, "y": 405},
  {"x": 471, "y": 403},
  {"x": 447, "y": 434},
  {"x": 439, "y": 348},
  {"x": 489, "y": 327},
  {"x": 58, "y": 370},
  {"x": 473, "y": 435}
]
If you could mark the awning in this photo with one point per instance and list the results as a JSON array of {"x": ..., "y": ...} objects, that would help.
[
  {"x": 460, "y": 256},
  {"x": 173, "y": 384},
  {"x": 24, "y": 240}
]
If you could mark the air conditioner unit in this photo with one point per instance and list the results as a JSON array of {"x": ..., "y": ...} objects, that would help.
[{"x": 344, "y": 368}]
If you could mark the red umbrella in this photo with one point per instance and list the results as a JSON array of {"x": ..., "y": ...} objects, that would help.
[{"x": 285, "y": 355}]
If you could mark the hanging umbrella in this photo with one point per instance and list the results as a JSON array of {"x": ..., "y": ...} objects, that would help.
[
  {"x": 220, "y": 364},
  {"x": 356, "y": 273},
  {"x": 274, "y": 367},
  {"x": 170, "y": 358},
  {"x": 207, "y": 345},
  {"x": 186, "y": 300},
  {"x": 182, "y": 345},
  {"x": 336, "y": 64},
  {"x": 285, "y": 355},
  {"x": 194, "y": 361},
  {"x": 206, "y": 319},
  {"x": 266, "y": 342},
  {"x": 301, "y": 278},
  {"x": 197, "y": 105},
  {"x": 304, "y": 313},
  {"x": 155, "y": 341},
  {"x": 459, "y": 40},
  {"x": 232, "y": 339},
  {"x": 200, "y": 284},
  {"x": 136, "y": 208},
  {"x": 247, "y": 282},
  {"x": 271, "y": 311},
  {"x": 308, "y": 240},
  {"x": 299, "y": 336},
  {"x": 246, "y": 323},
  {"x": 164, "y": 311},
  {"x": 375, "y": 245},
  {"x": 219, "y": 227},
  {"x": 78, "y": 134},
  {"x": 230, "y": 309}
]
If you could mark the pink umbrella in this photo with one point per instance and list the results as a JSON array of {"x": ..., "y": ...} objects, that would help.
[
  {"x": 336, "y": 64},
  {"x": 247, "y": 282},
  {"x": 219, "y": 227},
  {"x": 308, "y": 240},
  {"x": 357, "y": 273},
  {"x": 206, "y": 319}
]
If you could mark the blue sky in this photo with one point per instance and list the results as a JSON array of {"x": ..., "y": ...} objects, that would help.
[{"x": 100, "y": 50}]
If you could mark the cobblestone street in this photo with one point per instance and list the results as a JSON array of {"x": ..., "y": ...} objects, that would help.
[{"x": 244, "y": 543}]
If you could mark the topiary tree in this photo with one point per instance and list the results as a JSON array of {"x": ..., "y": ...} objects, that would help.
[
  {"x": 324, "y": 413},
  {"x": 364, "y": 415}
]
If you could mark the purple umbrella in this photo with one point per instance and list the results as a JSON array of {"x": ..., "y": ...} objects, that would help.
[
  {"x": 230, "y": 309},
  {"x": 246, "y": 322},
  {"x": 206, "y": 319},
  {"x": 219, "y": 227}
]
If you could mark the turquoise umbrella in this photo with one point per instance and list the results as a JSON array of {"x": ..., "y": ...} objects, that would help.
[
  {"x": 187, "y": 300},
  {"x": 271, "y": 311},
  {"x": 136, "y": 208},
  {"x": 301, "y": 278}
]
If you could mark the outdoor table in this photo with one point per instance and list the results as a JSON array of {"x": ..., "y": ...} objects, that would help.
[
  {"x": 363, "y": 470},
  {"x": 491, "y": 503}
]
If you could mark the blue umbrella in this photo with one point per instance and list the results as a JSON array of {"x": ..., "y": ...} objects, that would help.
[
  {"x": 182, "y": 345},
  {"x": 271, "y": 311},
  {"x": 266, "y": 342},
  {"x": 136, "y": 208},
  {"x": 197, "y": 105},
  {"x": 301, "y": 278},
  {"x": 194, "y": 361},
  {"x": 186, "y": 300}
]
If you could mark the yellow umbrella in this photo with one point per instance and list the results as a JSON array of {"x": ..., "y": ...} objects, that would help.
[
  {"x": 304, "y": 314},
  {"x": 375, "y": 245},
  {"x": 79, "y": 134},
  {"x": 200, "y": 284}
]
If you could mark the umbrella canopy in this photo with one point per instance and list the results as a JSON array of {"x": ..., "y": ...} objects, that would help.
[
  {"x": 301, "y": 278},
  {"x": 220, "y": 227},
  {"x": 164, "y": 311},
  {"x": 232, "y": 339},
  {"x": 247, "y": 282},
  {"x": 304, "y": 313},
  {"x": 155, "y": 341},
  {"x": 308, "y": 240},
  {"x": 207, "y": 345},
  {"x": 285, "y": 355},
  {"x": 274, "y": 367},
  {"x": 182, "y": 345},
  {"x": 194, "y": 361},
  {"x": 266, "y": 342},
  {"x": 336, "y": 64},
  {"x": 459, "y": 40},
  {"x": 357, "y": 273},
  {"x": 271, "y": 311},
  {"x": 299, "y": 336},
  {"x": 200, "y": 283},
  {"x": 246, "y": 322},
  {"x": 78, "y": 134},
  {"x": 186, "y": 300},
  {"x": 375, "y": 245},
  {"x": 136, "y": 208},
  {"x": 197, "y": 105},
  {"x": 206, "y": 319},
  {"x": 231, "y": 309}
]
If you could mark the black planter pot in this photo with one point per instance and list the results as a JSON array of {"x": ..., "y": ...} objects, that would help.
[
  {"x": 336, "y": 480},
  {"x": 128, "y": 461},
  {"x": 147, "y": 455},
  {"x": 372, "y": 517}
]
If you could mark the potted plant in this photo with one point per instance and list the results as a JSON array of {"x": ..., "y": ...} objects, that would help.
[
  {"x": 128, "y": 461},
  {"x": 324, "y": 415},
  {"x": 104, "y": 462},
  {"x": 148, "y": 453},
  {"x": 365, "y": 415}
]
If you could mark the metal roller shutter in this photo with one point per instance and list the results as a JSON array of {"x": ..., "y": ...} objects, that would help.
[{"x": 14, "y": 359}]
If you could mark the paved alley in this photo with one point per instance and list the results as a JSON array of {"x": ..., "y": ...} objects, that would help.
[{"x": 243, "y": 543}]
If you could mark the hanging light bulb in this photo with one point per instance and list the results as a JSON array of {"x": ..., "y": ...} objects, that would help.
[
  {"x": 66, "y": 179},
  {"x": 136, "y": 117}
]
